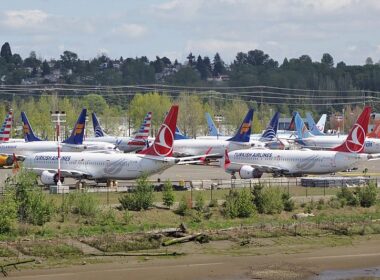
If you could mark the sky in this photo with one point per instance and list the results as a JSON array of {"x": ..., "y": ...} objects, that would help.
[{"x": 347, "y": 29}]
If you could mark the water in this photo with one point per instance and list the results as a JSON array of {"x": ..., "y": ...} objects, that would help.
[{"x": 354, "y": 274}]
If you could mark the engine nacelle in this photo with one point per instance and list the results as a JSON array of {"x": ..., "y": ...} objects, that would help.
[
  {"x": 48, "y": 178},
  {"x": 248, "y": 172}
]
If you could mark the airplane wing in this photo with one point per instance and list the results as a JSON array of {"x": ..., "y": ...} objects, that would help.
[{"x": 64, "y": 172}]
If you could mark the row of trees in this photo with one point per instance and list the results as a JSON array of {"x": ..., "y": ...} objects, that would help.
[
  {"x": 117, "y": 120},
  {"x": 254, "y": 67}
]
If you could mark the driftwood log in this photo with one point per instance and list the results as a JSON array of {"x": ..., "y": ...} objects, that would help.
[
  {"x": 4, "y": 272},
  {"x": 201, "y": 237}
]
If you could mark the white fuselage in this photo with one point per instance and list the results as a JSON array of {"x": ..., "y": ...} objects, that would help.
[
  {"x": 194, "y": 147},
  {"x": 99, "y": 165},
  {"x": 29, "y": 148},
  {"x": 295, "y": 161},
  {"x": 125, "y": 144},
  {"x": 371, "y": 145}
]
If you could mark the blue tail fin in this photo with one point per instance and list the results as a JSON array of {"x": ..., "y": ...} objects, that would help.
[
  {"x": 302, "y": 131},
  {"x": 271, "y": 130},
  {"x": 179, "y": 135},
  {"x": 27, "y": 129},
  {"x": 312, "y": 125},
  {"x": 77, "y": 134},
  {"x": 244, "y": 132},
  {"x": 98, "y": 131},
  {"x": 212, "y": 130}
]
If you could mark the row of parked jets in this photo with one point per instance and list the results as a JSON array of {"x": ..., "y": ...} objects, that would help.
[{"x": 104, "y": 157}]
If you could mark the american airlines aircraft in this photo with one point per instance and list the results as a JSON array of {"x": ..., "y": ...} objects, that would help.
[
  {"x": 110, "y": 166},
  {"x": 307, "y": 139},
  {"x": 253, "y": 163},
  {"x": 125, "y": 144},
  {"x": 6, "y": 128},
  {"x": 72, "y": 144}
]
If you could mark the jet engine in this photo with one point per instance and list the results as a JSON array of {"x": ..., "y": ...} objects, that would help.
[
  {"x": 248, "y": 172},
  {"x": 48, "y": 178},
  {"x": 6, "y": 161}
]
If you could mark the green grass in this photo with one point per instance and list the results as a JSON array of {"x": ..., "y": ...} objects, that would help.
[
  {"x": 48, "y": 249},
  {"x": 6, "y": 253}
]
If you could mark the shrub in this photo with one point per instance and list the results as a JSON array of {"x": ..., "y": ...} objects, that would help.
[
  {"x": 367, "y": 195},
  {"x": 268, "y": 200},
  {"x": 107, "y": 217},
  {"x": 84, "y": 204},
  {"x": 183, "y": 207},
  {"x": 289, "y": 205},
  {"x": 8, "y": 211},
  {"x": 141, "y": 198},
  {"x": 334, "y": 203},
  {"x": 213, "y": 203},
  {"x": 199, "y": 202},
  {"x": 239, "y": 204},
  {"x": 347, "y": 197},
  {"x": 168, "y": 194}
]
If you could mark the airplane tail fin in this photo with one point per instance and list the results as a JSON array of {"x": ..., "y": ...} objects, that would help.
[
  {"x": 227, "y": 161},
  {"x": 163, "y": 144},
  {"x": 27, "y": 129},
  {"x": 292, "y": 125},
  {"x": 271, "y": 130},
  {"x": 179, "y": 135},
  {"x": 77, "y": 134},
  {"x": 302, "y": 131},
  {"x": 354, "y": 142},
  {"x": 212, "y": 129},
  {"x": 244, "y": 132},
  {"x": 313, "y": 127},
  {"x": 5, "y": 132},
  {"x": 321, "y": 123},
  {"x": 143, "y": 132},
  {"x": 98, "y": 130}
]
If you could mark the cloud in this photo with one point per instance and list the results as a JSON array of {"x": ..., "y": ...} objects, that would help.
[
  {"x": 24, "y": 18},
  {"x": 131, "y": 30}
]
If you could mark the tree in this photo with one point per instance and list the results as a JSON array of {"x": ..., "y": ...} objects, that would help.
[
  {"x": 69, "y": 60},
  {"x": 327, "y": 60},
  {"x": 168, "y": 194},
  {"x": 368, "y": 61},
  {"x": 191, "y": 113},
  {"x": 6, "y": 52},
  {"x": 45, "y": 68},
  {"x": 219, "y": 67},
  {"x": 190, "y": 59},
  {"x": 95, "y": 103},
  {"x": 141, "y": 198},
  {"x": 202, "y": 68}
]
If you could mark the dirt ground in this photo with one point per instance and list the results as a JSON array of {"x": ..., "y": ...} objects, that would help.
[{"x": 289, "y": 258}]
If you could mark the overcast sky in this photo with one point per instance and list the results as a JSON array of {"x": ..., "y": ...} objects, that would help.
[{"x": 347, "y": 29}]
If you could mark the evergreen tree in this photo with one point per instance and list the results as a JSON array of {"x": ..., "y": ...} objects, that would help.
[
  {"x": 6, "y": 52},
  {"x": 219, "y": 66}
]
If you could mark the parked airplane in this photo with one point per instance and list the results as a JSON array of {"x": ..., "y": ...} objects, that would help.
[
  {"x": 192, "y": 147},
  {"x": 110, "y": 166},
  {"x": 72, "y": 144},
  {"x": 308, "y": 140},
  {"x": 375, "y": 133},
  {"x": 253, "y": 163},
  {"x": 125, "y": 144},
  {"x": 319, "y": 128},
  {"x": 212, "y": 129}
]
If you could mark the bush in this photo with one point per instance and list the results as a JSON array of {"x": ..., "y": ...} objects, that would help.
[
  {"x": 183, "y": 207},
  {"x": 168, "y": 194},
  {"x": 107, "y": 217},
  {"x": 199, "y": 202},
  {"x": 289, "y": 205},
  {"x": 213, "y": 203},
  {"x": 367, "y": 195},
  {"x": 239, "y": 204},
  {"x": 83, "y": 203},
  {"x": 8, "y": 211},
  {"x": 268, "y": 200},
  {"x": 348, "y": 197},
  {"x": 141, "y": 198},
  {"x": 334, "y": 203}
]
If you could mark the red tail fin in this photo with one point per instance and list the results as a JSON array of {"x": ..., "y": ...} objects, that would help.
[
  {"x": 354, "y": 142},
  {"x": 163, "y": 144}
]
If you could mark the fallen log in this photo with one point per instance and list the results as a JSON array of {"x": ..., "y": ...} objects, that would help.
[
  {"x": 124, "y": 254},
  {"x": 182, "y": 239},
  {"x": 4, "y": 272}
]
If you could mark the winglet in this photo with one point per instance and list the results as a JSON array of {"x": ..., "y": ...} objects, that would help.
[
  {"x": 163, "y": 144},
  {"x": 354, "y": 142},
  {"x": 77, "y": 134},
  {"x": 244, "y": 132},
  {"x": 27, "y": 129}
]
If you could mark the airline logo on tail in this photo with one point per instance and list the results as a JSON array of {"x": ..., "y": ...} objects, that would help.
[
  {"x": 355, "y": 141},
  {"x": 245, "y": 127},
  {"x": 98, "y": 131},
  {"x": 78, "y": 128},
  {"x": 164, "y": 145}
]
